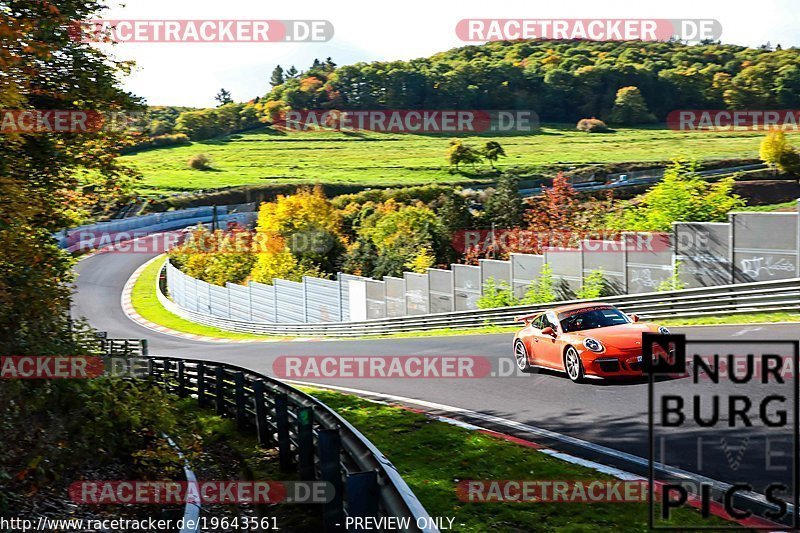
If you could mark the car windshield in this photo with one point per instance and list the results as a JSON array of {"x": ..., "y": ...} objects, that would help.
[{"x": 598, "y": 317}]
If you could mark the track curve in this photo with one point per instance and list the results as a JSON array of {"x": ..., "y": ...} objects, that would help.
[{"x": 610, "y": 414}]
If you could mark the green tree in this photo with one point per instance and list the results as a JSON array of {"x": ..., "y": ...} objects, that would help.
[
  {"x": 674, "y": 282},
  {"x": 496, "y": 294},
  {"x": 630, "y": 108},
  {"x": 459, "y": 153},
  {"x": 399, "y": 234},
  {"x": 504, "y": 207},
  {"x": 454, "y": 213},
  {"x": 542, "y": 290},
  {"x": 223, "y": 97},
  {"x": 277, "y": 77},
  {"x": 682, "y": 196},
  {"x": 492, "y": 151},
  {"x": 594, "y": 286}
]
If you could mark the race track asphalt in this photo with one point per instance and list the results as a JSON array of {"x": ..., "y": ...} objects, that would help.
[{"x": 610, "y": 414}]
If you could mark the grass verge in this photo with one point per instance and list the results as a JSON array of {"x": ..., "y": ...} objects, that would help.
[
  {"x": 754, "y": 318},
  {"x": 145, "y": 302},
  {"x": 434, "y": 456}
]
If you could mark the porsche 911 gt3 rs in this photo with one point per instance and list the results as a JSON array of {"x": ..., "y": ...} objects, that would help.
[{"x": 583, "y": 340}]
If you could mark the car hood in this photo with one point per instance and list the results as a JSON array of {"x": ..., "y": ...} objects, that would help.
[{"x": 621, "y": 337}]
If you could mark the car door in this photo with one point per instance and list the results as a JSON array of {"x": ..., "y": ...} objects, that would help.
[
  {"x": 531, "y": 333},
  {"x": 546, "y": 349}
]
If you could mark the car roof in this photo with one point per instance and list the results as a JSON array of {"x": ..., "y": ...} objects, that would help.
[{"x": 574, "y": 307}]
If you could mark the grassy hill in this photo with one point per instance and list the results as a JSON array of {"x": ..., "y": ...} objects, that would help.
[{"x": 265, "y": 156}]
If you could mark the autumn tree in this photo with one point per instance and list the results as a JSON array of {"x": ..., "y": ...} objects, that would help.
[
  {"x": 459, "y": 153},
  {"x": 51, "y": 181},
  {"x": 556, "y": 208},
  {"x": 630, "y": 108},
  {"x": 776, "y": 152},
  {"x": 308, "y": 223},
  {"x": 492, "y": 150}
]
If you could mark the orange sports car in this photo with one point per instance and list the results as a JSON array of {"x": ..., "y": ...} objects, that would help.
[{"x": 583, "y": 340}]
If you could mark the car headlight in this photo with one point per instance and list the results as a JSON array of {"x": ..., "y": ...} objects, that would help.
[
  {"x": 593, "y": 345},
  {"x": 663, "y": 330}
]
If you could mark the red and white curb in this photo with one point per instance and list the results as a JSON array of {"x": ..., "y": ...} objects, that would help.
[
  {"x": 715, "y": 508},
  {"x": 130, "y": 312}
]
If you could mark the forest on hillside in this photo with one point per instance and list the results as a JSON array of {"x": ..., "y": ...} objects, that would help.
[{"x": 562, "y": 81}]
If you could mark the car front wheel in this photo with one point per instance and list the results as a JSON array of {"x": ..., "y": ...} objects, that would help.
[
  {"x": 573, "y": 365},
  {"x": 521, "y": 356}
]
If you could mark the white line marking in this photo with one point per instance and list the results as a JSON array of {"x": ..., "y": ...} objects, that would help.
[
  {"x": 745, "y": 330},
  {"x": 635, "y": 459}
]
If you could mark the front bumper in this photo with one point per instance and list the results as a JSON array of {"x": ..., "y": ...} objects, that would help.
[{"x": 608, "y": 365}]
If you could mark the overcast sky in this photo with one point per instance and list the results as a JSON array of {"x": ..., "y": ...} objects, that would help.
[{"x": 191, "y": 73}]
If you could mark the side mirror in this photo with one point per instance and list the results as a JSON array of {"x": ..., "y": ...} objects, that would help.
[
  {"x": 549, "y": 331},
  {"x": 635, "y": 318}
]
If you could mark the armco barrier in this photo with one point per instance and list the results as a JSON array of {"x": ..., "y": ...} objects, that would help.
[
  {"x": 312, "y": 439},
  {"x": 740, "y": 298},
  {"x": 84, "y": 237}
]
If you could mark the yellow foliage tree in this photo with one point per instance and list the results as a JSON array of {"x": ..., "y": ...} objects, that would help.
[
  {"x": 270, "y": 265},
  {"x": 422, "y": 261},
  {"x": 307, "y": 209}
]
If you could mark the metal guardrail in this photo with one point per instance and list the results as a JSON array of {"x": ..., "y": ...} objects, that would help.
[
  {"x": 740, "y": 298},
  {"x": 89, "y": 237},
  {"x": 640, "y": 177},
  {"x": 312, "y": 439},
  {"x": 122, "y": 347}
]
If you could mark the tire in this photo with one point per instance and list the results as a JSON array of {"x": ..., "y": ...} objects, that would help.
[
  {"x": 521, "y": 356},
  {"x": 573, "y": 365}
]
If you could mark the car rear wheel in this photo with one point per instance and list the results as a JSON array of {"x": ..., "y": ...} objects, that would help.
[
  {"x": 521, "y": 356},
  {"x": 573, "y": 365}
]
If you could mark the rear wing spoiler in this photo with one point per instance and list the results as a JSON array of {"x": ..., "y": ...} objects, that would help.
[{"x": 526, "y": 318}]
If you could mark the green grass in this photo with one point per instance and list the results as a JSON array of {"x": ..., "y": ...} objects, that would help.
[
  {"x": 785, "y": 206},
  {"x": 753, "y": 318},
  {"x": 269, "y": 157},
  {"x": 145, "y": 302},
  {"x": 433, "y": 456}
]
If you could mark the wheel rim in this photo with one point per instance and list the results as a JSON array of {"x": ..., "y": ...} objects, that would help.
[
  {"x": 521, "y": 356},
  {"x": 573, "y": 364}
]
